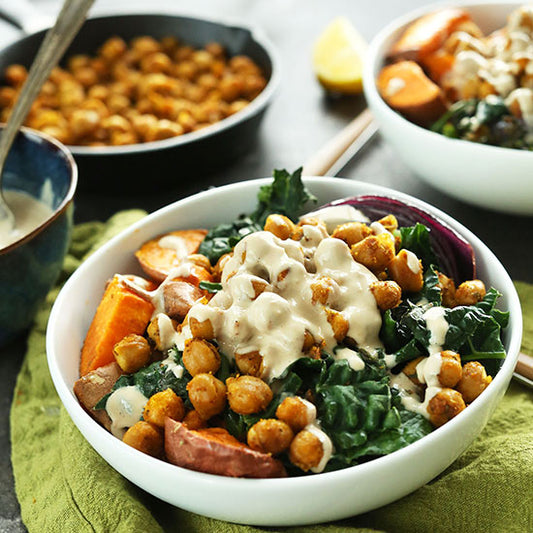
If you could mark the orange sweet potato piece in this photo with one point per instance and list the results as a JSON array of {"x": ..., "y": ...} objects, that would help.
[
  {"x": 157, "y": 260},
  {"x": 120, "y": 313},
  {"x": 427, "y": 34},
  {"x": 438, "y": 64},
  {"x": 215, "y": 451},
  {"x": 406, "y": 88}
]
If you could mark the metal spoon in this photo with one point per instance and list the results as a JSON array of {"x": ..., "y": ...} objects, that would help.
[{"x": 52, "y": 48}]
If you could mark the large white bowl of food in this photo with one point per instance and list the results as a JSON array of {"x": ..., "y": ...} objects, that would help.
[
  {"x": 290, "y": 366},
  {"x": 452, "y": 90}
]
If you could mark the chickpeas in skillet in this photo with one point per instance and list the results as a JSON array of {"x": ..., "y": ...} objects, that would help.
[{"x": 144, "y": 91}]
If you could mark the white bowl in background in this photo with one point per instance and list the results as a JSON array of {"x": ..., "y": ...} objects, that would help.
[
  {"x": 272, "y": 502},
  {"x": 488, "y": 176}
]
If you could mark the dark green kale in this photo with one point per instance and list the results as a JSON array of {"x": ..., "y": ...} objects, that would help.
[
  {"x": 285, "y": 195},
  {"x": 486, "y": 121},
  {"x": 417, "y": 239},
  {"x": 158, "y": 377},
  {"x": 210, "y": 286},
  {"x": 357, "y": 409}
]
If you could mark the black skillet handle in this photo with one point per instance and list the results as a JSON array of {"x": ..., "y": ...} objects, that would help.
[{"x": 24, "y": 15}]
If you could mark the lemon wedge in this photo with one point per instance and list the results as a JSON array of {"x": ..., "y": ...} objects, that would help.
[{"x": 338, "y": 57}]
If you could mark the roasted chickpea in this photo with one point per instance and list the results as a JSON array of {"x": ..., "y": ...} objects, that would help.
[
  {"x": 215, "y": 49},
  {"x": 450, "y": 369},
  {"x": 243, "y": 64},
  {"x": 193, "y": 420},
  {"x": 142, "y": 123},
  {"x": 351, "y": 232},
  {"x": 113, "y": 48},
  {"x": 375, "y": 251},
  {"x": 58, "y": 132},
  {"x": 447, "y": 290},
  {"x": 162, "y": 405},
  {"x": 83, "y": 122},
  {"x": 446, "y": 404},
  {"x": 117, "y": 103},
  {"x": 387, "y": 294},
  {"x": 338, "y": 323},
  {"x": 230, "y": 87},
  {"x": 132, "y": 353},
  {"x": 248, "y": 394},
  {"x": 121, "y": 138},
  {"x": 8, "y": 96},
  {"x": 470, "y": 292},
  {"x": 237, "y": 106},
  {"x": 322, "y": 289},
  {"x": 201, "y": 330},
  {"x": 200, "y": 356},
  {"x": 145, "y": 45},
  {"x": 116, "y": 123},
  {"x": 406, "y": 270},
  {"x": 164, "y": 129},
  {"x": 296, "y": 412},
  {"x": 154, "y": 332},
  {"x": 389, "y": 222},
  {"x": 78, "y": 61},
  {"x": 250, "y": 363},
  {"x": 280, "y": 225},
  {"x": 145, "y": 437},
  {"x": 306, "y": 450},
  {"x": 156, "y": 62},
  {"x": 270, "y": 436},
  {"x": 474, "y": 381},
  {"x": 15, "y": 75},
  {"x": 87, "y": 76},
  {"x": 207, "y": 395}
]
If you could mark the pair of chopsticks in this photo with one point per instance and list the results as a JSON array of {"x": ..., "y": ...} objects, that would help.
[{"x": 341, "y": 149}]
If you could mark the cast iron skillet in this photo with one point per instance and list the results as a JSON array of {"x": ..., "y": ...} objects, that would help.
[{"x": 173, "y": 160}]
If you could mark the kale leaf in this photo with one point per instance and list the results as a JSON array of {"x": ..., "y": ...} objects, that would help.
[
  {"x": 356, "y": 409},
  {"x": 417, "y": 239},
  {"x": 285, "y": 195}
]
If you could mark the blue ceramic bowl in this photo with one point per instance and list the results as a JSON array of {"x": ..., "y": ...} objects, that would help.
[{"x": 42, "y": 167}]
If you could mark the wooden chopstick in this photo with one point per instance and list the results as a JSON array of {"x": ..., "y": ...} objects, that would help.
[
  {"x": 321, "y": 162},
  {"x": 343, "y": 147}
]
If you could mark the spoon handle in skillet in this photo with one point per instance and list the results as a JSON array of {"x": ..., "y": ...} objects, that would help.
[{"x": 56, "y": 41}]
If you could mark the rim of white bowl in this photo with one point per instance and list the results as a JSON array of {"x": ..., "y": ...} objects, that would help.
[{"x": 82, "y": 419}]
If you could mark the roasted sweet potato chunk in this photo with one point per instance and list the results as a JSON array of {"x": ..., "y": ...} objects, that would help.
[
  {"x": 215, "y": 451},
  {"x": 92, "y": 387},
  {"x": 406, "y": 88},
  {"x": 159, "y": 256}
]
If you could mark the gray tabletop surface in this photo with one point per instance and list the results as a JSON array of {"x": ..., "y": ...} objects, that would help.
[{"x": 301, "y": 119}]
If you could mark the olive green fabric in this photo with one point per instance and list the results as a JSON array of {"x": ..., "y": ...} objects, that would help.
[{"x": 64, "y": 486}]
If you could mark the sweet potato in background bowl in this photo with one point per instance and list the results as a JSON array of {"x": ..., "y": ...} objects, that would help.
[
  {"x": 487, "y": 176},
  {"x": 273, "y": 502}
]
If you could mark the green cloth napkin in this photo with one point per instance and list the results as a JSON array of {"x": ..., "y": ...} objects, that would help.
[{"x": 64, "y": 486}]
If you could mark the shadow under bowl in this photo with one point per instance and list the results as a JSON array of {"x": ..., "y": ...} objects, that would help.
[{"x": 43, "y": 168}]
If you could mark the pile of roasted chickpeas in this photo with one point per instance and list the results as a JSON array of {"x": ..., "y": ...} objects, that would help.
[
  {"x": 246, "y": 393},
  {"x": 145, "y": 91}
]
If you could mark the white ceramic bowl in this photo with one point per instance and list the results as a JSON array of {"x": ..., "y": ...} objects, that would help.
[
  {"x": 487, "y": 176},
  {"x": 273, "y": 502}
]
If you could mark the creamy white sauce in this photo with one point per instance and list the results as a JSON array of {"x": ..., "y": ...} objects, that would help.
[
  {"x": 394, "y": 86},
  {"x": 437, "y": 325},
  {"x": 337, "y": 214},
  {"x": 274, "y": 323},
  {"x": 413, "y": 264},
  {"x": 29, "y": 215},
  {"x": 327, "y": 447},
  {"x": 355, "y": 362},
  {"x": 125, "y": 407},
  {"x": 175, "y": 243},
  {"x": 378, "y": 227},
  {"x": 173, "y": 367},
  {"x": 523, "y": 97}
]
